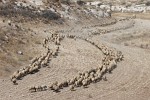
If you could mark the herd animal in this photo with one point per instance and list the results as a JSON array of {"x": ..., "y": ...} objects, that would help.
[
  {"x": 109, "y": 62},
  {"x": 34, "y": 66}
]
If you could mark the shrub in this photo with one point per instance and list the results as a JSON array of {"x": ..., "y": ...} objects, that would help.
[
  {"x": 147, "y": 3},
  {"x": 81, "y": 2},
  {"x": 68, "y": 2}
]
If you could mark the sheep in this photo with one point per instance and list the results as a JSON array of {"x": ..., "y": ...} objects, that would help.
[
  {"x": 77, "y": 83},
  {"x": 72, "y": 36},
  {"x": 32, "y": 89},
  {"x": 103, "y": 70},
  {"x": 23, "y": 73},
  {"x": 121, "y": 57},
  {"x": 54, "y": 54},
  {"x": 12, "y": 77},
  {"x": 55, "y": 83},
  {"x": 14, "y": 81},
  {"x": 72, "y": 81},
  {"x": 96, "y": 78},
  {"x": 80, "y": 76},
  {"x": 60, "y": 85},
  {"x": 40, "y": 60},
  {"x": 55, "y": 88},
  {"x": 34, "y": 64},
  {"x": 44, "y": 87},
  {"x": 38, "y": 88},
  {"x": 42, "y": 57},
  {"x": 89, "y": 80},
  {"x": 54, "y": 2},
  {"x": 44, "y": 63},
  {"x": 26, "y": 70},
  {"x": 108, "y": 13},
  {"x": 99, "y": 75},
  {"x": 85, "y": 83},
  {"x": 36, "y": 67},
  {"x": 91, "y": 70},
  {"x": 95, "y": 75},
  {"x": 86, "y": 74},
  {"x": 34, "y": 60},
  {"x": 41, "y": 88},
  {"x": 45, "y": 41},
  {"x": 92, "y": 43},
  {"x": 15, "y": 73},
  {"x": 79, "y": 37},
  {"x": 98, "y": 71},
  {"x": 48, "y": 51},
  {"x": 57, "y": 41},
  {"x": 33, "y": 69},
  {"x": 47, "y": 59},
  {"x": 21, "y": 69},
  {"x": 80, "y": 79},
  {"x": 61, "y": 36},
  {"x": 93, "y": 79},
  {"x": 104, "y": 63},
  {"x": 111, "y": 65},
  {"x": 107, "y": 62},
  {"x": 44, "y": 46},
  {"x": 86, "y": 39},
  {"x": 105, "y": 52},
  {"x": 57, "y": 49},
  {"x": 100, "y": 67},
  {"x": 9, "y": 23},
  {"x": 72, "y": 87},
  {"x": 68, "y": 36},
  {"x": 84, "y": 79},
  {"x": 18, "y": 75},
  {"x": 65, "y": 84},
  {"x": 92, "y": 73},
  {"x": 104, "y": 78},
  {"x": 50, "y": 86}
]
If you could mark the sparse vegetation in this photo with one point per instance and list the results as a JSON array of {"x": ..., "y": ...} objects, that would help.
[{"x": 83, "y": 50}]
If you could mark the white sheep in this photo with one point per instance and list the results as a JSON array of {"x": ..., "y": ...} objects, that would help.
[
  {"x": 14, "y": 74},
  {"x": 34, "y": 60},
  {"x": 103, "y": 69},
  {"x": 71, "y": 81},
  {"x": 72, "y": 87},
  {"x": 14, "y": 81},
  {"x": 112, "y": 65},
  {"x": 84, "y": 82}
]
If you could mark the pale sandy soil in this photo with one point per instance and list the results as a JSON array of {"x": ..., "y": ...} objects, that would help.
[{"x": 129, "y": 81}]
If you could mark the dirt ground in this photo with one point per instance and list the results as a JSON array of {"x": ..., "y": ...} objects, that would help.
[{"x": 22, "y": 41}]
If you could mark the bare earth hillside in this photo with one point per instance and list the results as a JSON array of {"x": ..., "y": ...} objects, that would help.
[{"x": 73, "y": 52}]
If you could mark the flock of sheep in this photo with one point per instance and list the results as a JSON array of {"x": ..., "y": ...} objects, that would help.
[
  {"x": 129, "y": 20},
  {"x": 36, "y": 64},
  {"x": 109, "y": 62}
]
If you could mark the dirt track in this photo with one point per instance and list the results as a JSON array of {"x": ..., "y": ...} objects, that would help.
[{"x": 129, "y": 81}]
